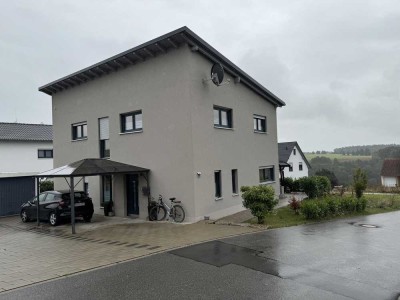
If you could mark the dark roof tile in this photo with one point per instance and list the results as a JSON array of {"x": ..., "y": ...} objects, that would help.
[
  {"x": 391, "y": 167},
  {"x": 25, "y": 132}
]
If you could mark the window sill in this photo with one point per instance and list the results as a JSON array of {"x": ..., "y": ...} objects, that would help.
[
  {"x": 79, "y": 140},
  {"x": 267, "y": 182},
  {"x": 220, "y": 127},
  {"x": 260, "y": 132},
  {"x": 131, "y": 132},
  {"x": 235, "y": 195},
  {"x": 45, "y": 158},
  {"x": 219, "y": 199}
]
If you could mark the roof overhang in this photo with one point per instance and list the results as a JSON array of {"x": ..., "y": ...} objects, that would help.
[{"x": 155, "y": 47}]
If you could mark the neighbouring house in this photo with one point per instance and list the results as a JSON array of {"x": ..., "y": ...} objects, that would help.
[
  {"x": 156, "y": 107},
  {"x": 293, "y": 161},
  {"x": 25, "y": 150},
  {"x": 390, "y": 172}
]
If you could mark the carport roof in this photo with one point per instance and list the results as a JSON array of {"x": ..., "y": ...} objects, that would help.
[{"x": 91, "y": 167}]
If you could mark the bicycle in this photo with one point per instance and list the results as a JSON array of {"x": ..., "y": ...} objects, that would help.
[{"x": 160, "y": 210}]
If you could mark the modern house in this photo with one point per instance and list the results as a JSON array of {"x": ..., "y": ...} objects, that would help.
[
  {"x": 293, "y": 159},
  {"x": 390, "y": 172},
  {"x": 156, "y": 107},
  {"x": 25, "y": 150}
]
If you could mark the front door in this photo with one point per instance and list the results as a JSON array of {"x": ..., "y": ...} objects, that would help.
[{"x": 132, "y": 194}]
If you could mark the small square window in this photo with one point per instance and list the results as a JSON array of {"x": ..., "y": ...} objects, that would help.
[
  {"x": 260, "y": 123},
  {"x": 222, "y": 117},
  {"x": 45, "y": 153},
  {"x": 79, "y": 131},
  {"x": 132, "y": 121},
  {"x": 267, "y": 174}
]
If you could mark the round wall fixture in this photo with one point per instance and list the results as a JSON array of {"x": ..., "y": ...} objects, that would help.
[{"x": 217, "y": 74}]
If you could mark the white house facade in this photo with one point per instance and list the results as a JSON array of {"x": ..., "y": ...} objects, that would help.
[
  {"x": 298, "y": 164},
  {"x": 156, "y": 107},
  {"x": 390, "y": 173},
  {"x": 25, "y": 148}
]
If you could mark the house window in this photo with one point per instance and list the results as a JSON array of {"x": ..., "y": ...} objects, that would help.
[
  {"x": 260, "y": 123},
  {"x": 222, "y": 117},
  {"x": 294, "y": 151},
  {"x": 234, "y": 181},
  {"x": 300, "y": 166},
  {"x": 132, "y": 121},
  {"x": 104, "y": 135},
  {"x": 79, "y": 131},
  {"x": 44, "y": 153},
  {"x": 218, "y": 185},
  {"x": 267, "y": 174},
  {"x": 290, "y": 167}
]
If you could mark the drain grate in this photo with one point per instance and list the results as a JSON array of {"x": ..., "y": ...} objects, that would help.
[{"x": 368, "y": 226}]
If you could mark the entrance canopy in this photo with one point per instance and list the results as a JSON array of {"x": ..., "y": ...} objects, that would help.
[
  {"x": 91, "y": 167},
  {"x": 83, "y": 168}
]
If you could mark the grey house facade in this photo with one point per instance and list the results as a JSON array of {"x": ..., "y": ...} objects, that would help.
[{"x": 154, "y": 106}]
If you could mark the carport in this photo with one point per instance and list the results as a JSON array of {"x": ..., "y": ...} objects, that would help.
[{"x": 84, "y": 168}]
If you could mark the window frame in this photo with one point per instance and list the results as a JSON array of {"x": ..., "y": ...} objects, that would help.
[
  {"x": 256, "y": 128},
  {"x": 105, "y": 152},
  {"x": 290, "y": 167},
  {"x": 294, "y": 151},
  {"x": 263, "y": 179},
  {"x": 218, "y": 184},
  {"x": 300, "y": 166},
  {"x": 45, "y": 152},
  {"x": 229, "y": 117},
  {"x": 132, "y": 114},
  {"x": 74, "y": 130}
]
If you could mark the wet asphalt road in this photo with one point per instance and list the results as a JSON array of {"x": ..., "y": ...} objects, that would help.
[{"x": 334, "y": 260}]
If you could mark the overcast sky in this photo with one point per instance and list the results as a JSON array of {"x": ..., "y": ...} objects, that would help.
[{"x": 336, "y": 63}]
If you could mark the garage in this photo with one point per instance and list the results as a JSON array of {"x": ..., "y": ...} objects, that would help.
[{"x": 13, "y": 192}]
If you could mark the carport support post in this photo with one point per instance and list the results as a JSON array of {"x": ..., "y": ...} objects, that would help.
[
  {"x": 72, "y": 204},
  {"x": 37, "y": 199}
]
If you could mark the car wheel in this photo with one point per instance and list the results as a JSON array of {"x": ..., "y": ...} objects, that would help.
[
  {"x": 87, "y": 219},
  {"x": 53, "y": 219},
  {"x": 24, "y": 216}
]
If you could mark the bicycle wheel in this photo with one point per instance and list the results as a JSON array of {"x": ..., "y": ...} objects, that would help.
[
  {"x": 178, "y": 214},
  {"x": 157, "y": 213}
]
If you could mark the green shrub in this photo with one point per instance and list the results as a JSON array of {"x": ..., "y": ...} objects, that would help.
[
  {"x": 259, "y": 199},
  {"x": 323, "y": 185},
  {"x": 359, "y": 182},
  {"x": 333, "y": 206},
  {"x": 311, "y": 210},
  {"x": 46, "y": 185},
  {"x": 287, "y": 183},
  {"x": 309, "y": 186}
]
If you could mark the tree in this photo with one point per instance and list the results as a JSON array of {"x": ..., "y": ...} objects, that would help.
[
  {"x": 259, "y": 199},
  {"x": 359, "y": 182},
  {"x": 331, "y": 176}
]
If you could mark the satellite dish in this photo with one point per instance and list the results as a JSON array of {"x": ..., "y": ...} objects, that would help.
[{"x": 217, "y": 73}]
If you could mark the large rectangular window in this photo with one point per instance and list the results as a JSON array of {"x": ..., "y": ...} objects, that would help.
[
  {"x": 234, "y": 181},
  {"x": 79, "y": 131},
  {"x": 222, "y": 117},
  {"x": 267, "y": 174},
  {"x": 45, "y": 153},
  {"x": 104, "y": 136},
  {"x": 218, "y": 187},
  {"x": 260, "y": 123},
  {"x": 132, "y": 121}
]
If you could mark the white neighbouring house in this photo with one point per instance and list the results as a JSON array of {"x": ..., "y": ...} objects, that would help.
[
  {"x": 25, "y": 148},
  {"x": 297, "y": 164},
  {"x": 390, "y": 172}
]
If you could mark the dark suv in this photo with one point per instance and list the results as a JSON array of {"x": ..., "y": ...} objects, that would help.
[{"x": 56, "y": 205}]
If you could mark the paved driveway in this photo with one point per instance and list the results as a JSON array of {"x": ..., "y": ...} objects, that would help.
[
  {"x": 333, "y": 260},
  {"x": 29, "y": 254}
]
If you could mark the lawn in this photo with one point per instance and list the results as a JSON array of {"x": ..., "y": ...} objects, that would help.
[
  {"x": 376, "y": 204},
  {"x": 340, "y": 157}
]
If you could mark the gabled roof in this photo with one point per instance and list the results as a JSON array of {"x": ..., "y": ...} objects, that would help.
[
  {"x": 91, "y": 167},
  {"x": 285, "y": 149},
  {"x": 25, "y": 132},
  {"x": 150, "y": 49},
  {"x": 391, "y": 167}
]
